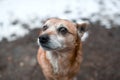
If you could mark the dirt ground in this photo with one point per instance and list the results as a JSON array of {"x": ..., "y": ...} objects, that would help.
[{"x": 101, "y": 56}]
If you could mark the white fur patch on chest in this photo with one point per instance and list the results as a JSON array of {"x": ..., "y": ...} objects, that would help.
[{"x": 53, "y": 58}]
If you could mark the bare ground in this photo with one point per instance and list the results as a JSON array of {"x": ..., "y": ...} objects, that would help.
[{"x": 101, "y": 56}]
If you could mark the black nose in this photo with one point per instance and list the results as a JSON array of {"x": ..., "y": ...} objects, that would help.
[{"x": 44, "y": 38}]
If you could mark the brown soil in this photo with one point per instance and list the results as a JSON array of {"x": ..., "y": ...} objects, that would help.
[{"x": 101, "y": 56}]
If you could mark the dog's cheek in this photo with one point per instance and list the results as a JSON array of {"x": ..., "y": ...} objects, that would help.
[
  {"x": 70, "y": 40},
  {"x": 61, "y": 39}
]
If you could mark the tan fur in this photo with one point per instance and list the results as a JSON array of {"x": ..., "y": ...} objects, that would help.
[{"x": 68, "y": 60}]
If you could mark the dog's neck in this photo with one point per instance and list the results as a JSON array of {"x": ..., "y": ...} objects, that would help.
[{"x": 63, "y": 58}]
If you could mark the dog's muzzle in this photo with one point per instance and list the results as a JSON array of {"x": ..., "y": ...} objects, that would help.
[
  {"x": 48, "y": 42},
  {"x": 44, "y": 41}
]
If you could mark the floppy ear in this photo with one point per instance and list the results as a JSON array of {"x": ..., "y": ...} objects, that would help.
[{"x": 82, "y": 28}]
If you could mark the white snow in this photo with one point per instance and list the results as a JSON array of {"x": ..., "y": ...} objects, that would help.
[{"x": 31, "y": 12}]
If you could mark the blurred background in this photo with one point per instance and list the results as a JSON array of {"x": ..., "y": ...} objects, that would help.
[{"x": 20, "y": 23}]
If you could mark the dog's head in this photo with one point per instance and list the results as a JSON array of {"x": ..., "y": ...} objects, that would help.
[{"x": 60, "y": 34}]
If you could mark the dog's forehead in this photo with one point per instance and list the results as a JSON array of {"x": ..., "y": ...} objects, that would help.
[
  {"x": 60, "y": 21},
  {"x": 56, "y": 22}
]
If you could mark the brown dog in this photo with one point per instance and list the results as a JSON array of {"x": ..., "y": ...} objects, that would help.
[{"x": 60, "y": 52}]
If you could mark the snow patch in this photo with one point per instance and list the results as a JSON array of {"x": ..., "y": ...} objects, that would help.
[{"x": 32, "y": 12}]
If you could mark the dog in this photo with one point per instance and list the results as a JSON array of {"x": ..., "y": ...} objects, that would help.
[{"x": 60, "y": 51}]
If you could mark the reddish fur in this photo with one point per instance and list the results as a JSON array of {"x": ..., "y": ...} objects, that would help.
[{"x": 69, "y": 65}]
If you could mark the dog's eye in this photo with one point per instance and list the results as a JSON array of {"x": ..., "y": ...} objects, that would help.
[
  {"x": 62, "y": 30},
  {"x": 45, "y": 27}
]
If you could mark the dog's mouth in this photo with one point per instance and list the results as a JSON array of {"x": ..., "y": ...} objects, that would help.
[{"x": 48, "y": 47}]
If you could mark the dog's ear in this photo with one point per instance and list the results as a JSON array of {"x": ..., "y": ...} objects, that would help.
[{"x": 82, "y": 28}]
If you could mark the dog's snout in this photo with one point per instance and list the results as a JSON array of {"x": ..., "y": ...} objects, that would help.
[{"x": 44, "y": 38}]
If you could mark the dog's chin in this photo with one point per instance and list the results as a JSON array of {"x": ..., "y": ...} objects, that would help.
[{"x": 49, "y": 48}]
